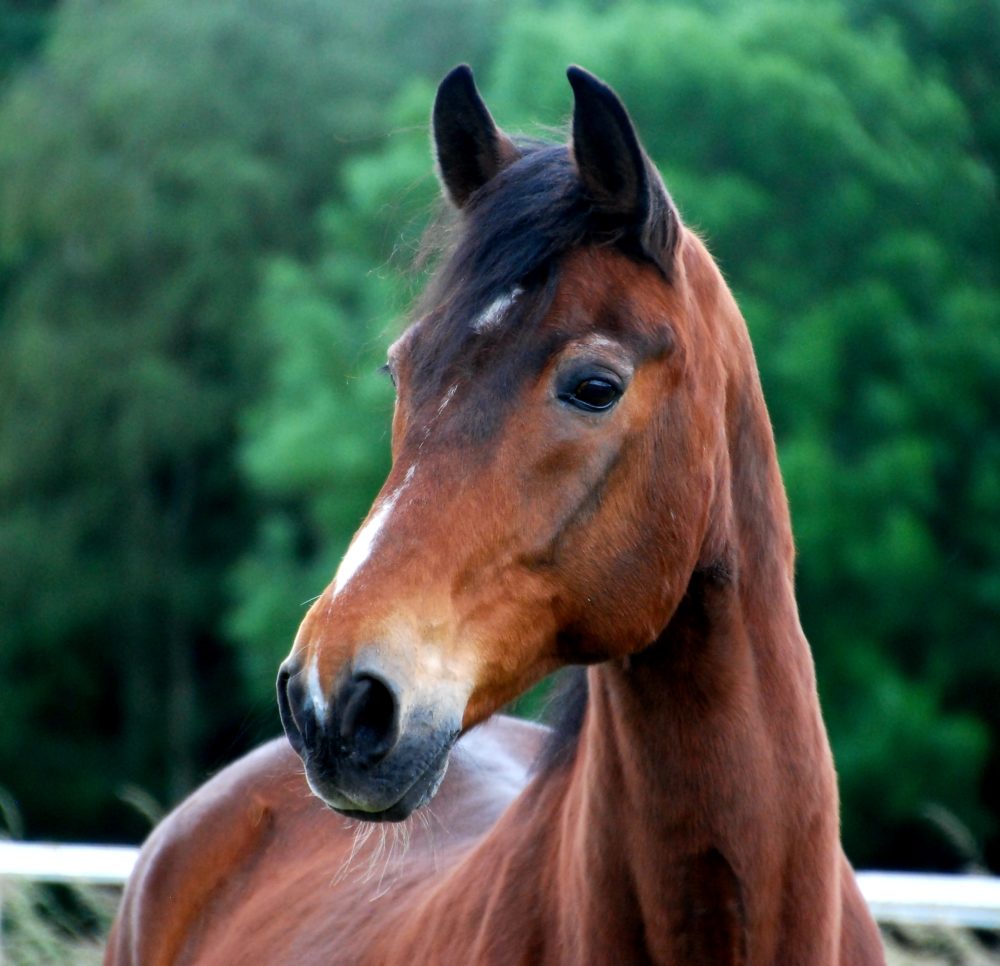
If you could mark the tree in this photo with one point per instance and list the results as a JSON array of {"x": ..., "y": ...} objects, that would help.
[
  {"x": 959, "y": 41},
  {"x": 148, "y": 166},
  {"x": 316, "y": 441},
  {"x": 23, "y": 26}
]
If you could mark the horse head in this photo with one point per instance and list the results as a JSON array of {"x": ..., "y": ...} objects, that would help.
[{"x": 559, "y": 455}]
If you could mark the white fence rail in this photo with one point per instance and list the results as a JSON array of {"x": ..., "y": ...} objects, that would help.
[
  {"x": 45, "y": 862},
  {"x": 949, "y": 900}
]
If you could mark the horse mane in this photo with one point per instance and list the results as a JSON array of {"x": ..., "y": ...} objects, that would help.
[
  {"x": 564, "y": 713},
  {"x": 508, "y": 238},
  {"x": 531, "y": 212}
]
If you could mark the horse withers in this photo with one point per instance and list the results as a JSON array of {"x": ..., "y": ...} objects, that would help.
[{"x": 583, "y": 474}]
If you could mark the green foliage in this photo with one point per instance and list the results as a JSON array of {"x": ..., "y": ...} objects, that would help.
[
  {"x": 158, "y": 156},
  {"x": 23, "y": 24},
  {"x": 204, "y": 235},
  {"x": 51, "y": 926},
  {"x": 960, "y": 41},
  {"x": 898, "y": 754},
  {"x": 316, "y": 440}
]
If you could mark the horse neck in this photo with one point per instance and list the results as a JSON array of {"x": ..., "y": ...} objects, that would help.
[{"x": 702, "y": 797}]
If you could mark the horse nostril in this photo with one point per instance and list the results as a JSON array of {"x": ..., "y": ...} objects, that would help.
[
  {"x": 369, "y": 719},
  {"x": 287, "y": 713}
]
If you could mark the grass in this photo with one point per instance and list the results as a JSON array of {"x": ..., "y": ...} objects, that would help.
[
  {"x": 58, "y": 925},
  {"x": 937, "y": 946}
]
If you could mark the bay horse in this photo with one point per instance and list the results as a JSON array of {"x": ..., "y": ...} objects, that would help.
[{"x": 584, "y": 474}]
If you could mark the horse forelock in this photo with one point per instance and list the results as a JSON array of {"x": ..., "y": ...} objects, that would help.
[{"x": 482, "y": 311}]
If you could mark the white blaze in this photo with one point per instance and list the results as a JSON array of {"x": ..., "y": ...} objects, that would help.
[
  {"x": 361, "y": 546},
  {"x": 496, "y": 311},
  {"x": 365, "y": 539},
  {"x": 441, "y": 408}
]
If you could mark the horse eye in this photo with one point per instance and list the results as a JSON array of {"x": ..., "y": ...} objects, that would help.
[{"x": 594, "y": 394}]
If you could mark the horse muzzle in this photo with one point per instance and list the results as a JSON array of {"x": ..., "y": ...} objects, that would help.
[{"x": 369, "y": 752}]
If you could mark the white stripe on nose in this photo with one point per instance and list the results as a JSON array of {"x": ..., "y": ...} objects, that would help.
[{"x": 365, "y": 539}]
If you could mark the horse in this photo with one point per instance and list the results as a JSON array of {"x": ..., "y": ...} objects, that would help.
[{"x": 584, "y": 478}]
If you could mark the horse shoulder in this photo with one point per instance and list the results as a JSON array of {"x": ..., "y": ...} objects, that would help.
[
  {"x": 860, "y": 940},
  {"x": 221, "y": 874},
  {"x": 196, "y": 849}
]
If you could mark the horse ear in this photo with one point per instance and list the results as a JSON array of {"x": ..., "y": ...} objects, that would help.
[
  {"x": 470, "y": 148},
  {"x": 617, "y": 175}
]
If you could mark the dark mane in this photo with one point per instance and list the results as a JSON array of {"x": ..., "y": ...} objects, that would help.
[
  {"x": 511, "y": 235},
  {"x": 530, "y": 213},
  {"x": 564, "y": 714}
]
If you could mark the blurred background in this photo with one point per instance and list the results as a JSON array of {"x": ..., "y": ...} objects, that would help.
[{"x": 208, "y": 215}]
